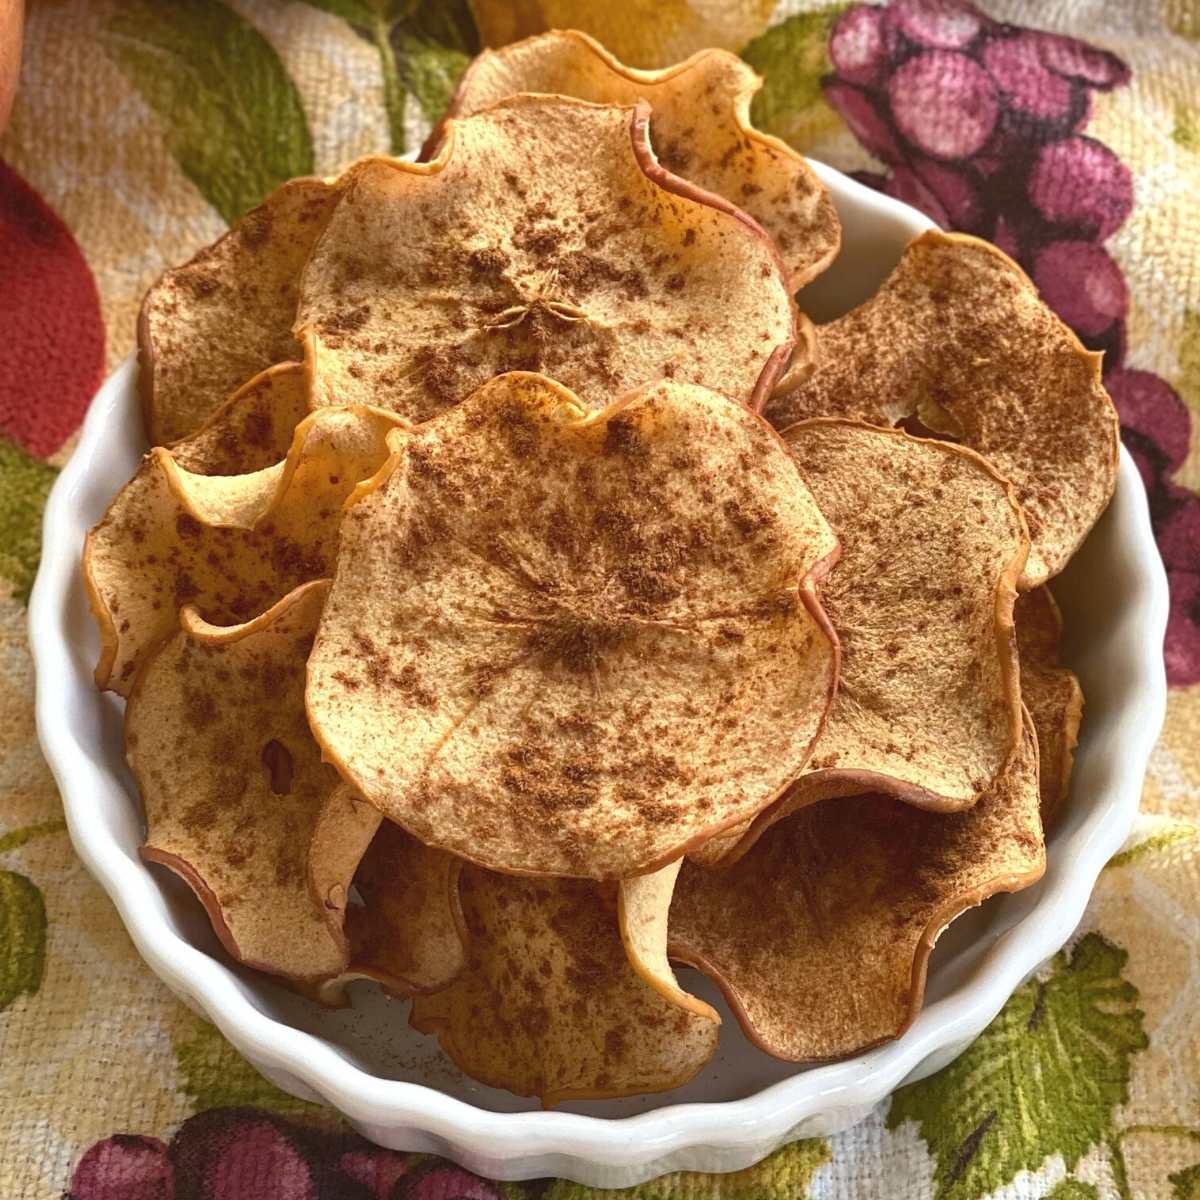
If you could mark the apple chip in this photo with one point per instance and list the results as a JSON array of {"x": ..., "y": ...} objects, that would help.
[
  {"x": 700, "y": 129},
  {"x": 548, "y": 1005},
  {"x": 234, "y": 786},
  {"x": 820, "y": 936},
  {"x": 229, "y": 545},
  {"x": 252, "y": 430},
  {"x": 408, "y": 932},
  {"x": 1052, "y": 694},
  {"x": 958, "y": 340},
  {"x": 543, "y": 237},
  {"x": 210, "y": 325},
  {"x": 574, "y": 643}
]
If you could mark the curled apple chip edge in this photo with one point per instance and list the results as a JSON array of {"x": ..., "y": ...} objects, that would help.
[
  {"x": 701, "y": 130},
  {"x": 252, "y": 430},
  {"x": 408, "y": 933},
  {"x": 549, "y": 1006},
  {"x": 586, "y": 629},
  {"x": 234, "y": 787},
  {"x": 820, "y": 936},
  {"x": 208, "y": 326},
  {"x": 958, "y": 338},
  {"x": 1052, "y": 695},
  {"x": 512, "y": 251},
  {"x": 230, "y": 545}
]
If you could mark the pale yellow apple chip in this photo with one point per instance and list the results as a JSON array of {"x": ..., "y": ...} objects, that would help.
[
  {"x": 548, "y": 1005},
  {"x": 407, "y": 933},
  {"x": 820, "y": 936},
  {"x": 543, "y": 237},
  {"x": 1052, "y": 694},
  {"x": 210, "y": 325},
  {"x": 958, "y": 339},
  {"x": 229, "y": 545},
  {"x": 576, "y": 643},
  {"x": 700, "y": 130},
  {"x": 234, "y": 787},
  {"x": 252, "y": 430}
]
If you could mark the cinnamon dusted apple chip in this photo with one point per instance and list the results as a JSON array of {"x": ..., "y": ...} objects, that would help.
[
  {"x": 252, "y": 430},
  {"x": 543, "y": 237},
  {"x": 229, "y": 545},
  {"x": 700, "y": 129},
  {"x": 234, "y": 786},
  {"x": 210, "y": 325},
  {"x": 821, "y": 934},
  {"x": 576, "y": 643},
  {"x": 548, "y": 1005},
  {"x": 1052, "y": 694},
  {"x": 958, "y": 339},
  {"x": 408, "y": 932}
]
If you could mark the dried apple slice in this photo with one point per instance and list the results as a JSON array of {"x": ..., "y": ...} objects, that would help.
[
  {"x": 408, "y": 933},
  {"x": 548, "y": 1005},
  {"x": 700, "y": 129},
  {"x": 543, "y": 237},
  {"x": 575, "y": 643},
  {"x": 252, "y": 430},
  {"x": 1052, "y": 694},
  {"x": 234, "y": 787},
  {"x": 958, "y": 339},
  {"x": 229, "y": 545},
  {"x": 820, "y": 936},
  {"x": 210, "y": 325}
]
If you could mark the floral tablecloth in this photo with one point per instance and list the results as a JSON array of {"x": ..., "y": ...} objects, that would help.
[{"x": 141, "y": 129}]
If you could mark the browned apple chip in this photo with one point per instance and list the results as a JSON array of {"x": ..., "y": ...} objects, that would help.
[
  {"x": 700, "y": 129},
  {"x": 252, "y": 430},
  {"x": 408, "y": 932},
  {"x": 1052, "y": 694},
  {"x": 548, "y": 1005},
  {"x": 820, "y": 936},
  {"x": 543, "y": 237},
  {"x": 958, "y": 340},
  {"x": 233, "y": 784},
  {"x": 210, "y": 325},
  {"x": 229, "y": 545},
  {"x": 575, "y": 643}
]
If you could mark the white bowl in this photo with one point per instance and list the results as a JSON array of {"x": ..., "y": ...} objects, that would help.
[{"x": 393, "y": 1084}]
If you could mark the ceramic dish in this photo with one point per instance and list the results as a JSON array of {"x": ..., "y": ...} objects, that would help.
[{"x": 393, "y": 1084}]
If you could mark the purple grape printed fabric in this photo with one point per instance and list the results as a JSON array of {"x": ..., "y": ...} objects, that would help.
[{"x": 1065, "y": 131}]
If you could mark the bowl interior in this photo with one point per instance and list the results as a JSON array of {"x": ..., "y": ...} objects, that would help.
[{"x": 1106, "y": 630}]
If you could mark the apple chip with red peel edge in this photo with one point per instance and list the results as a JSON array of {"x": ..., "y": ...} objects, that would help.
[
  {"x": 252, "y": 430},
  {"x": 233, "y": 784},
  {"x": 820, "y": 936},
  {"x": 1051, "y": 693},
  {"x": 958, "y": 339},
  {"x": 544, "y": 237},
  {"x": 928, "y": 705},
  {"x": 231, "y": 545},
  {"x": 548, "y": 1005},
  {"x": 564, "y": 642},
  {"x": 408, "y": 933},
  {"x": 700, "y": 129},
  {"x": 643, "y": 910},
  {"x": 212, "y": 324}
]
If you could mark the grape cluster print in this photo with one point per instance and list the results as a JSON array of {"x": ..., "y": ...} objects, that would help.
[
  {"x": 981, "y": 126},
  {"x": 235, "y": 1154}
]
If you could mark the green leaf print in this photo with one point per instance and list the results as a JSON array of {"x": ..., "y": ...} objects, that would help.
[
  {"x": 22, "y": 938},
  {"x": 215, "y": 1075},
  {"x": 784, "y": 1175},
  {"x": 1185, "y": 1184},
  {"x": 1188, "y": 383},
  {"x": 24, "y": 485},
  {"x": 233, "y": 117},
  {"x": 1072, "y": 1189},
  {"x": 792, "y": 56},
  {"x": 1044, "y": 1078},
  {"x": 1186, "y": 132}
]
